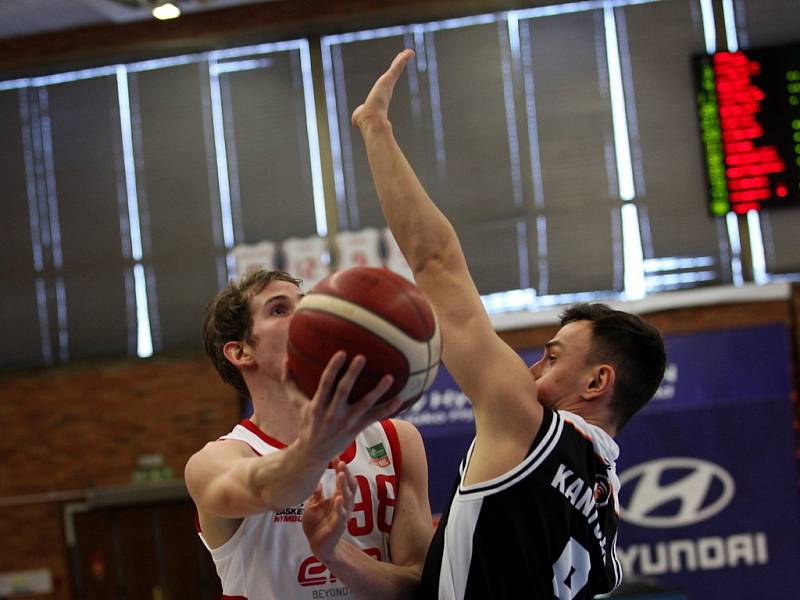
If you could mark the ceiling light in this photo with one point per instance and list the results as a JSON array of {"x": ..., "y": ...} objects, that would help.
[{"x": 166, "y": 11}]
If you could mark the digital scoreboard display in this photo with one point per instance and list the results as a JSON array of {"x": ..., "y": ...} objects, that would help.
[{"x": 748, "y": 105}]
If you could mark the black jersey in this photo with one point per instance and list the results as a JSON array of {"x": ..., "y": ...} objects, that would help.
[{"x": 546, "y": 529}]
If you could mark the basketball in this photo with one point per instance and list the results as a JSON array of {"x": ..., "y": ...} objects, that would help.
[{"x": 369, "y": 311}]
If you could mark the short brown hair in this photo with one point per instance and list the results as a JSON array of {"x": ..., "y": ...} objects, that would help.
[
  {"x": 632, "y": 346},
  {"x": 228, "y": 319}
]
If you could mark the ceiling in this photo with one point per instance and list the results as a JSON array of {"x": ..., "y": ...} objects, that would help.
[{"x": 28, "y": 17}]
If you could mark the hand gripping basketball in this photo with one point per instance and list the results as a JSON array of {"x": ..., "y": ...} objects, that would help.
[{"x": 373, "y": 312}]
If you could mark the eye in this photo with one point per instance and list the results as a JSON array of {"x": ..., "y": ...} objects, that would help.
[
  {"x": 280, "y": 309},
  {"x": 548, "y": 357}
]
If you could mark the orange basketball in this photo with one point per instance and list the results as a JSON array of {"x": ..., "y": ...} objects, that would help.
[{"x": 373, "y": 312}]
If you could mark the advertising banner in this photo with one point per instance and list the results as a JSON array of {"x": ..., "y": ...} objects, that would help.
[
  {"x": 709, "y": 499},
  {"x": 709, "y": 503}
]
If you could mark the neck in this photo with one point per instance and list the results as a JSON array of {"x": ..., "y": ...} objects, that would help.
[
  {"x": 593, "y": 413},
  {"x": 603, "y": 424},
  {"x": 274, "y": 412}
]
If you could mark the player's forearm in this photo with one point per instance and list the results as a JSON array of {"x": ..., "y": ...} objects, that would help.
[
  {"x": 285, "y": 478},
  {"x": 422, "y": 232},
  {"x": 369, "y": 578}
]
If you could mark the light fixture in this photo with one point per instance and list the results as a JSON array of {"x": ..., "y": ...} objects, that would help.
[{"x": 166, "y": 10}]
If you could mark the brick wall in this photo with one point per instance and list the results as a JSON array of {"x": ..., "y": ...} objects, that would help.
[{"x": 72, "y": 428}]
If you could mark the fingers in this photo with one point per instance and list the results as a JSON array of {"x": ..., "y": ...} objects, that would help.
[
  {"x": 314, "y": 499},
  {"x": 347, "y": 478},
  {"x": 365, "y": 411},
  {"x": 384, "y": 410},
  {"x": 386, "y": 82},
  {"x": 349, "y": 492},
  {"x": 329, "y": 374},
  {"x": 356, "y": 116},
  {"x": 368, "y": 400},
  {"x": 330, "y": 417},
  {"x": 339, "y": 509},
  {"x": 399, "y": 63},
  {"x": 322, "y": 397},
  {"x": 380, "y": 95},
  {"x": 339, "y": 401},
  {"x": 345, "y": 488}
]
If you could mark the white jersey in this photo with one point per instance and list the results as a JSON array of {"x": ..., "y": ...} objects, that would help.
[{"x": 268, "y": 558}]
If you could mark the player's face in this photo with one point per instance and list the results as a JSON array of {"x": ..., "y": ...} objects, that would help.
[
  {"x": 271, "y": 310},
  {"x": 563, "y": 370}
]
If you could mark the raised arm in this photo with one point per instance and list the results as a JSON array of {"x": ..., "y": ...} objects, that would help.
[
  {"x": 228, "y": 481},
  {"x": 325, "y": 519},
  {"x": 491, "y": 374}
]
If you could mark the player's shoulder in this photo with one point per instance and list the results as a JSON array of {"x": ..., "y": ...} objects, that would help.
[
  {"x": 205, "y": 465},
  {"x": 410, "y": 441},
  {"x": 407, "y": 433},
  {"x": 222, "y": 449},
  {"x": 412, "y": 454}
]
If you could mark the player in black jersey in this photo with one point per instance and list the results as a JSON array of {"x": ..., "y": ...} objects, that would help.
[{"x": 534, "y": 511}]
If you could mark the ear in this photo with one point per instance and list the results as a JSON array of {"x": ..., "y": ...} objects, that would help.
[
  {"x": 601, "y": 382},
  {"x": 237, "y": 353}
]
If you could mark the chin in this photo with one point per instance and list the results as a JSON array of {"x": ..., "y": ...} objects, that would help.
[{"x": 551, "y": 403}]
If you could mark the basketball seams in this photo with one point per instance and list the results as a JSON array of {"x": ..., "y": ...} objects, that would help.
[
  {"x": 307, "y": 365},
  {"x": 345, "y": 285},
  {"x": 377, "y": 325},
  {"x": 401, "y": 285},
  {"x": 433, "y": 361},
  {"x": 373, "y": 312},
  {"x": 316, "y": 360},
  {"x": 434, "y": 341}
]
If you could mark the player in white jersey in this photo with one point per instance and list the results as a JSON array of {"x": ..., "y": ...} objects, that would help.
[
  {"x": 273, "y": 494},
  {"x": 523, "y": 519},
  {"x": 275, "y": 540}
]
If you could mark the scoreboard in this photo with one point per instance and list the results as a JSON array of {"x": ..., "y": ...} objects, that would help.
[{"x": 748, "y": 104}]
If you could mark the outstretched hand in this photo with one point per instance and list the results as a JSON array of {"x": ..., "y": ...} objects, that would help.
[
  {"x": 328, "y": 423},
  {"x": 325, "y": 518},
  {"x": 375, "y": 108}
]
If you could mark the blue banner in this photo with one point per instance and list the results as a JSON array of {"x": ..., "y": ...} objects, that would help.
[
  {"x": 444, "y": 418},
  {"x": 733, "y": 366},
  {"x": 709, "y": 502}
]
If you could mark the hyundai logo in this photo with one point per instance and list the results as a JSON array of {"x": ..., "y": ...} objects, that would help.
[{"x": 674, "y": 492}]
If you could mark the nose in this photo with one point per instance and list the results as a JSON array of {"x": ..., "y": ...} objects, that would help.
[
  {"x": 536, "y": 369},
  {"x": 292, "y": 310}
]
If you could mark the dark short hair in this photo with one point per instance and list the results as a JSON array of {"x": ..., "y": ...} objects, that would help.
[
  {"x": 632, "y": 346},
  {"x": 228, "y": 319}
]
